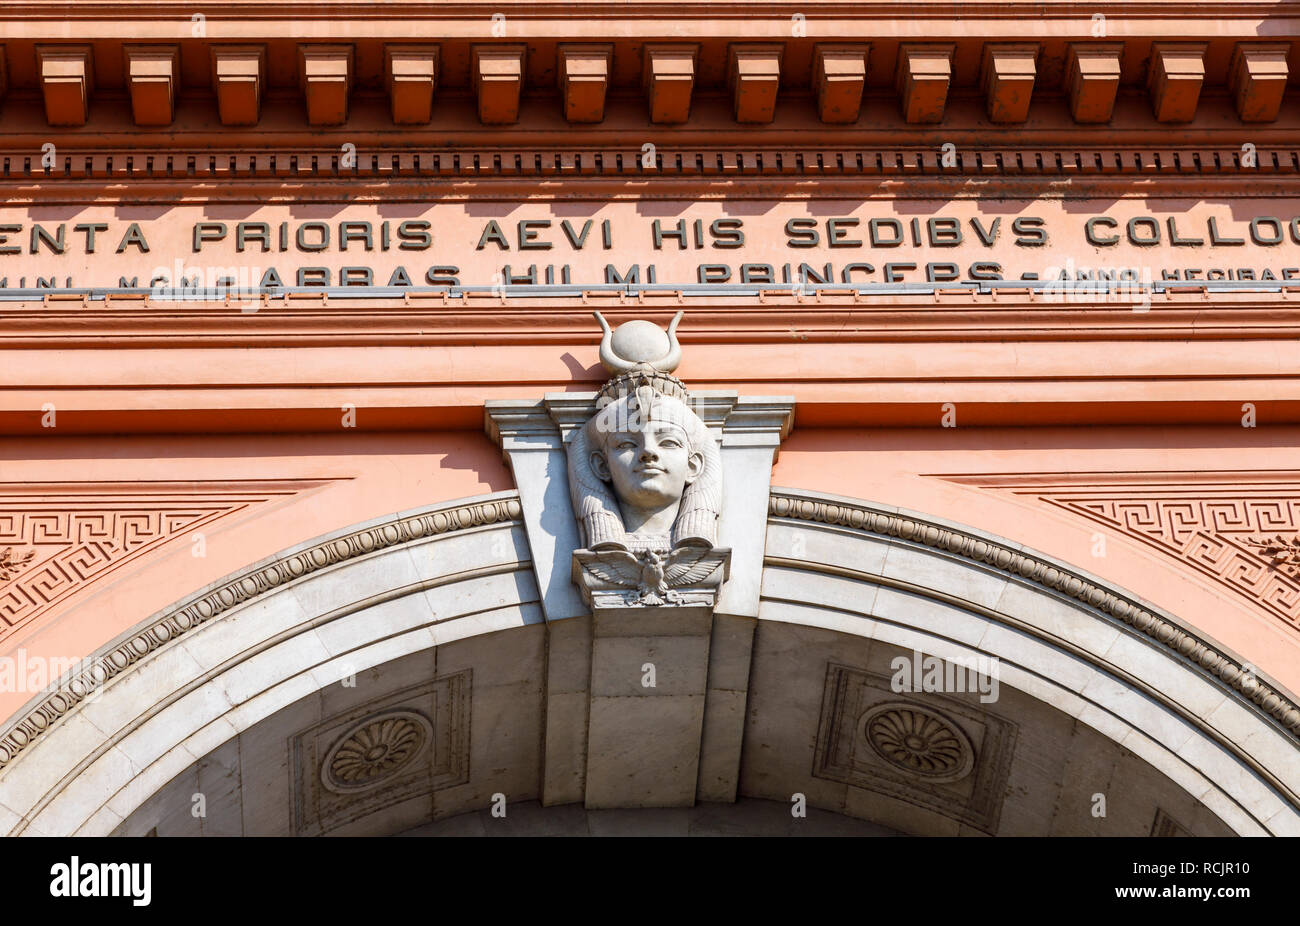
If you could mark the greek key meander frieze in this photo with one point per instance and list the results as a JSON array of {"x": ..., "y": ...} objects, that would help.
[
  {"x": 391, "y": 749},
  {"x": 942, "y": 754},
  {"x": 1056, "y": 578},
  {"x": 66, "y": 536},
  {"x": 79, "y": 547},
  {"x": 1223, "y": 538},
  {"x": 1241, "y": 532},
  {"x": 244, "y": 587}
]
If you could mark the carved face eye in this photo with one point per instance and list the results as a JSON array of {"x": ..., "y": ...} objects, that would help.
[
  {"x": 627, "y": 445},
  {"x": 670, "y": 442}
]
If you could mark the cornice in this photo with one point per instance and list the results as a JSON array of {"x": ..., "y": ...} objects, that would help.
[
  {"x": 743, "y": 10},
  {"x": 204, "y": 89}
]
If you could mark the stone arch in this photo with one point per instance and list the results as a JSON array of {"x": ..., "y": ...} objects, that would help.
[
  {"x": 187, "y": 680},
  {"x": 1122, "y": 667},
  {"x": 847, "y": 586}
]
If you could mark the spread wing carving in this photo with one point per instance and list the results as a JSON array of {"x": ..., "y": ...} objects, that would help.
[
  {"x": 689, "y": 566},
  {"x": 615, "y": 567}
]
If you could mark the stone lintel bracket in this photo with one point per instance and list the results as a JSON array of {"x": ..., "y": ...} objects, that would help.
[
  {"x": 924, "y": 73},
  {"x": 669, "y": 79},
  {"x": 67, "y": 82},
  {"x": 583, "y": 76},
  {"x": 1007, "y": 78},
  {"x": 531, "y": 446},
  {"x": 325, "y": 75},
  {"x": 1174, "y": 80},
  {"x": 840, "y": 75},
  {"x": 1092, "y": 80},
  {"x": 754, "y": 77},
  {"x": 153, "y": 77},
  {"x": 1258, "y": 76},
  {"x": 239, "y": 73},
  {"x": 498, "y": 74},
  {"x": 411, "y": 72}
]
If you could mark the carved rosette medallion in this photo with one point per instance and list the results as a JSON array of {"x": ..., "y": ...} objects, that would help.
[
  {"x": 919, "y": 741},
  {"x": 374, "y": 750},
  {"x": 645, "y": 478}
]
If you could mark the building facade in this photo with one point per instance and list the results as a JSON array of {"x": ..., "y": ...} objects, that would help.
[{"x": 956, "y": 492}]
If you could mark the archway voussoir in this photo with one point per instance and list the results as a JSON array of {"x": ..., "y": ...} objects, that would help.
[
  {"x": 934, "y": 570},
  {"x": 1237, "y": 782}
]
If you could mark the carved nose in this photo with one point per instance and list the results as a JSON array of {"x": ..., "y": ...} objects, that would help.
[{"x": 648, "y": 455}]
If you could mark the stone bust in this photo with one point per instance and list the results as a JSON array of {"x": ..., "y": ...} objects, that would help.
[{"x": 644, "y": 471}]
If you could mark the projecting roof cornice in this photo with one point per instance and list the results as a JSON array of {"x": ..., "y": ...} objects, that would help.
[
  {"x": 747, "y": 10},
  {"x": 848, "y": 65}
]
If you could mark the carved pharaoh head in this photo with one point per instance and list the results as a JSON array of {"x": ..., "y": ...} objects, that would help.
[{"x": 644, "y": 471}]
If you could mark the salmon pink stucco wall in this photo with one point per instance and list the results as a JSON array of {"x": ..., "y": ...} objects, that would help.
[
  {"x": 249, "y": 496},
  {"x": 1166, "y": 513}
]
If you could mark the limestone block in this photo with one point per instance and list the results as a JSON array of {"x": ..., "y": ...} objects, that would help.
[{"x": 644, "y": 752}]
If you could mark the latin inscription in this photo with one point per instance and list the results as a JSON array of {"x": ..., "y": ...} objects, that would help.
[{"x": 619, "y": 243}]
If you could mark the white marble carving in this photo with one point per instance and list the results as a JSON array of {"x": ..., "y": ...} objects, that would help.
[{"x": 645, "y": 476}]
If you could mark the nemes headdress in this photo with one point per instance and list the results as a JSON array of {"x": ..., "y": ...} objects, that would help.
[{"x": 642, "y": 389}]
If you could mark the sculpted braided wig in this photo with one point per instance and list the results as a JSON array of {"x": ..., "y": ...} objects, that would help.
[{"x": 594, "y": 502}]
